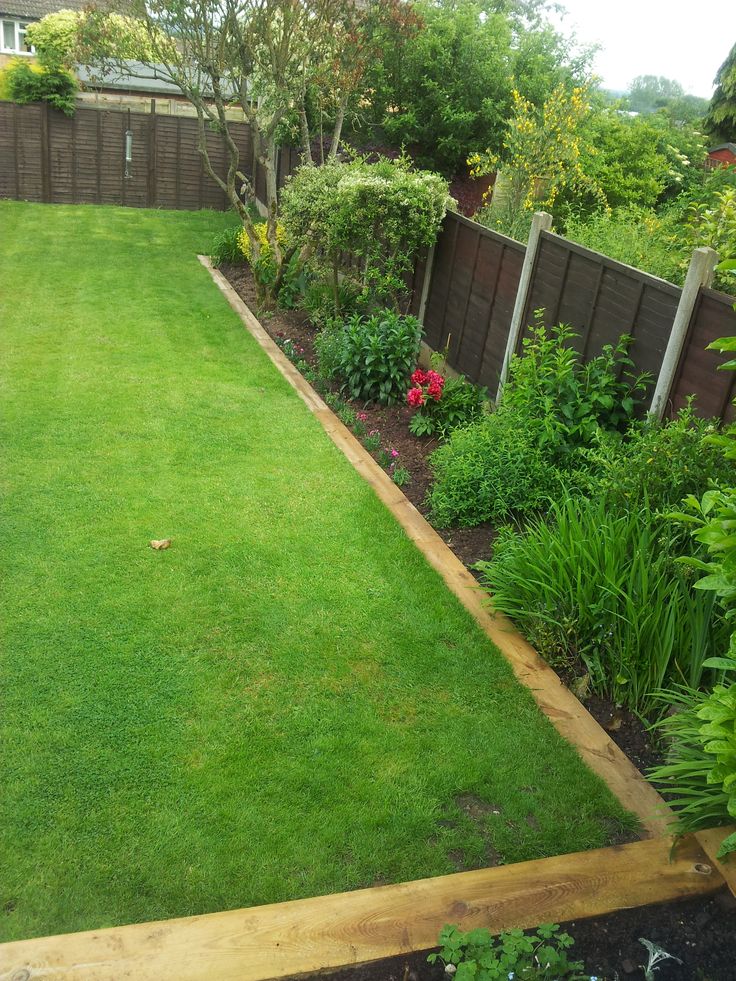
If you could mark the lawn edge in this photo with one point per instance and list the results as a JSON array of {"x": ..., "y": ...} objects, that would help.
[
  {"x": 564, "y": 710},
  {"x": 568, "y": 715},
  {"x": 328, "y": 932}
]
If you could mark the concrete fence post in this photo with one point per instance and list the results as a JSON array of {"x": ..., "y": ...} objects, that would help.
[
  {"x": 541, "y": 222},
  {"x": 700, "y": 273}
]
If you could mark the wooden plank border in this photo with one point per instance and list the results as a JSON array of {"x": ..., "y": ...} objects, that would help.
[
  {"x": 563, "y": 709},
  {"x": 303, "y": 936}
]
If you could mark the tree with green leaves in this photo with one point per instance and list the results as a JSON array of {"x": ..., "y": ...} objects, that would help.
[
  {"x": 720, "y": 121},
  {"x": 647, "y": 93},
  {"x": 448, "y": 93},
  {"x": 258, "y": 55}
]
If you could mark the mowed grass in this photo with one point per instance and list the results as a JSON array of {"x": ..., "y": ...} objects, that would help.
[{"x": 288, "y": 701}]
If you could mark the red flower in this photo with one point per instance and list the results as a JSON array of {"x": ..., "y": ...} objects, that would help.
[
  {"x": 419, "y": 377},
  {"x": 415, "y": 397},
  {"x": 435, "y": 379},
  {"x": 435, "y": 391}
]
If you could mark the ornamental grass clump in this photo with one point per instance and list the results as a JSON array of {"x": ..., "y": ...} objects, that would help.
[{"x": 599, "y": 590}]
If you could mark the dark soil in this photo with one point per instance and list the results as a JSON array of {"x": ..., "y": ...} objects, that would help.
[
  {"x": 471, "y": 545},
  {"x": 702, "y": 933},
  {"x": 627, "y": 731}
]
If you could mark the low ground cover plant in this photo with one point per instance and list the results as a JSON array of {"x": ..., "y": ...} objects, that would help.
[{"x": 479, "y": 955}]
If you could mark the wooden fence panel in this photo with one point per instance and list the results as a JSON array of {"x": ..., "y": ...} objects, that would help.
[
  {"x": 22, "y": 164},
  {"x": 697, "y": 372},
  {"x": 46, "y": 156},
  {"x": 601, "y": 299},
  {"x": 474, "y": 281}
]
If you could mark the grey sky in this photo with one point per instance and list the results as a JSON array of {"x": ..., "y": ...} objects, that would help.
[{"x": 686, "y": 41}]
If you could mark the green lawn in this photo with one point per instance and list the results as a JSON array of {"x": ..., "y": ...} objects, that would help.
[{"x": 288, "y": 701}]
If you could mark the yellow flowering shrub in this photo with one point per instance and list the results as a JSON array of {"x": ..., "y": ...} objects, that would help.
[{"x": 244, "y": 241}]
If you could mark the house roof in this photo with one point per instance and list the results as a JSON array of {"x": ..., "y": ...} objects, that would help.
[
  {"x": 713, "y": 149},
  {"x": 36, "y": 9}
]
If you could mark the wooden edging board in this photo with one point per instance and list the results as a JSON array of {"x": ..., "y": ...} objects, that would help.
[{"x": 310, "y": 935}]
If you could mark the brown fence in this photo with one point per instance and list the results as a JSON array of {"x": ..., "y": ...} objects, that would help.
[
  {"x": 471, "y": 296},
  {"x": 46, "y": 156},
  {"x": 697, "y": 372},
  {"x": 474, "y": 282},
  {"x": 601, "y": 299}
]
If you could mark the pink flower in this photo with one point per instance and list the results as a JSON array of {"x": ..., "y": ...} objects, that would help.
[
  {"x": 415, "y": 397},
  {"x": 419, "y": 377},
  {"x": 363, "y": 416},
  {"x": 435, "y": 379},
  {"x": 394, "y": 453}
]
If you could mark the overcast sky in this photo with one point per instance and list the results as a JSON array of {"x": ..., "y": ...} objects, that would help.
[{"x": 687, "y": 41}]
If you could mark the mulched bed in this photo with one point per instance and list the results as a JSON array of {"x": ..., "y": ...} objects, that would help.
[{"x": 702, "y": 933}]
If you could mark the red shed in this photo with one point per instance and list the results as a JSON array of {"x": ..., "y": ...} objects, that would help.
[{"x": 721, "y": 156}]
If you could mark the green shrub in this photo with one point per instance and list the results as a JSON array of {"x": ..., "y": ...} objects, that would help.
[
  {"x": 659, "y": 463},
  {"x": 594, "y": 584},
  {"x": 491, "y": 469},
  {"x": 371, "y": 356},
  {"x": 699, "y": 774},
  {"x": 25, "y": 82},
  {"x": 382, "y": 214},
  {"x": 226, "y": 247},
  {"x": 573, "y": 399},
  {"x": 639, "y": 237}
]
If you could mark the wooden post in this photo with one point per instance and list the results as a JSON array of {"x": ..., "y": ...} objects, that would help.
[
  {"x": 700, "y": 273},
  {"x": 426, "y": 283},
  {"x": 541, "y": 222}
]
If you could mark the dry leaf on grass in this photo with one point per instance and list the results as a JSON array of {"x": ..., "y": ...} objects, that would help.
[{"x": 159, "y": 543}]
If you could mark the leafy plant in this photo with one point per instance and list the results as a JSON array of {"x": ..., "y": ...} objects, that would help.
[
  {"x": 478, "y": 955},
  {"x": 492, "y": 468},
  {"x": 443, "y": 403},
  {"x": 371, "y": 356},
  {"x": 699, "y": 774},
  {"x": 657, "y": 463},
  {"x": 573, "y": 399},
  {"x": 372, "y": 442},
  {"x": 25, "y": 82},
  {"x": 401, "y": 476},
  {"x": 226, "y": 247},
  {"x": 656, "y": 955},
  {"x": 598, "y": 585}
]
